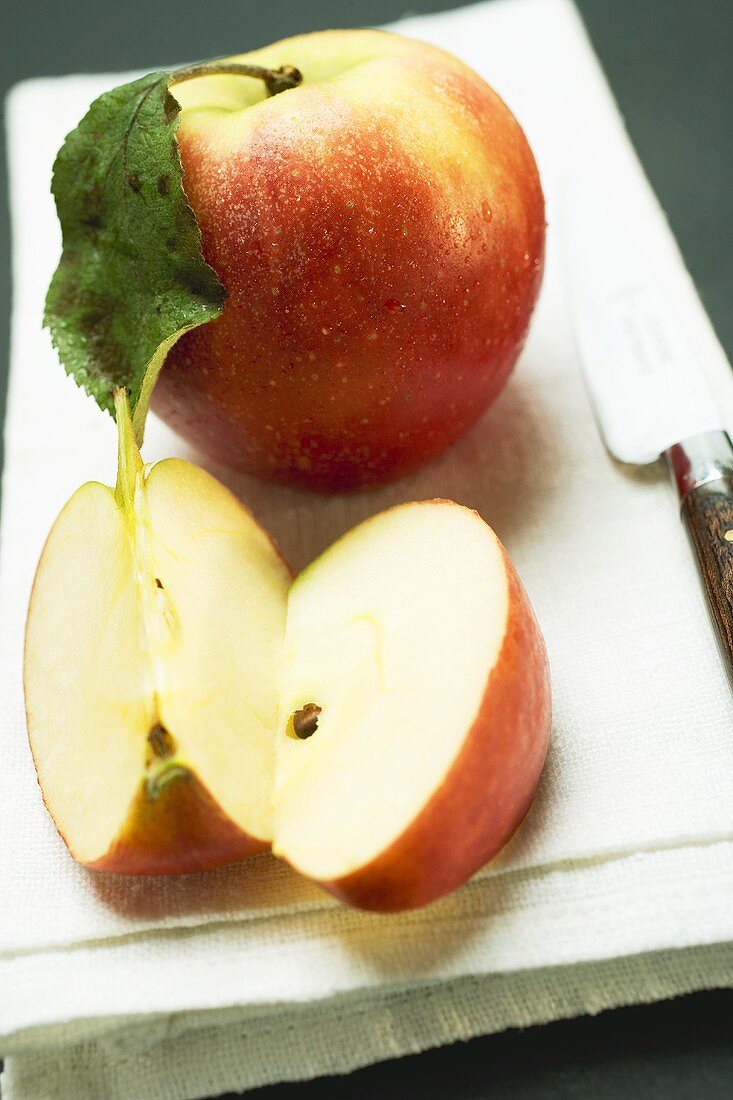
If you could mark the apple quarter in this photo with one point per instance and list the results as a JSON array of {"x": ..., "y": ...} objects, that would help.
[
  {"x": 381, "y": 722},
  {"x": 414, "y": 636}
]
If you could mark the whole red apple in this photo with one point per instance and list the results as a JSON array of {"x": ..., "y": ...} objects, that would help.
[{"x": 380, "y": 232}]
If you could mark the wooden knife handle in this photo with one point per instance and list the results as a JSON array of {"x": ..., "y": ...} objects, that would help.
[
  {"x": 707, "y": 511},
  {"x": 702, "y": 471}
]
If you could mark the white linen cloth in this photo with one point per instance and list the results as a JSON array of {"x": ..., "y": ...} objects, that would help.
[{"x": 617, "y": 889}]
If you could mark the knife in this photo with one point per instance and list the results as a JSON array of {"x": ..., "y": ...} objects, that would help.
[{"x": 648, "y": 394}]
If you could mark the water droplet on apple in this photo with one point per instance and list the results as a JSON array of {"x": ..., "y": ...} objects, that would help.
[
  {"x": 487, "y": 212},
  {"x": 394, "y": 305}
]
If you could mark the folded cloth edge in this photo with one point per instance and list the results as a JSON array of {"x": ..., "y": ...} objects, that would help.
[
  {"x": 168, "y": 1057},
  {"x": 678, "y": 899}
]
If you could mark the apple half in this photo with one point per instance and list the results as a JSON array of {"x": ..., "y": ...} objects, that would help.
[{"x": 381, "y": 722}]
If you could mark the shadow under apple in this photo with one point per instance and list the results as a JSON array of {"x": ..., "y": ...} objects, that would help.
[
  {"x": 493, "y": 468},
  {"x": 251, "y": 888}
]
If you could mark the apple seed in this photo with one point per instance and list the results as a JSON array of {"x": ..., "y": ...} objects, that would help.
[
  {"x": 305, "y": 721},
  {"x": 160, "y": 741}
]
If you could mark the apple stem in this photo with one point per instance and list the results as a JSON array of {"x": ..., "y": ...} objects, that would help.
[
  {"x": 129, "y": 462},
  {"x": 276, "y": 80}
]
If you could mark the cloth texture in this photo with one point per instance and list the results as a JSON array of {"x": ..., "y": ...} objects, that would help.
[{"x": 617, "y": 888}]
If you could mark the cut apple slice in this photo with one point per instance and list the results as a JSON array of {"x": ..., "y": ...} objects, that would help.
[
  {"x": 382, "y": 721},
  {"x": 417, "y": 672},
  {"x": 153, "y": 642}
]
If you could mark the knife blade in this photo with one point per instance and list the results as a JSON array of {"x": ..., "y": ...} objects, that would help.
[{"x": 649, "y": 397}]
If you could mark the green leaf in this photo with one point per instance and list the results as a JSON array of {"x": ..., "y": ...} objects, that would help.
[{"x": 132, "y": 277}]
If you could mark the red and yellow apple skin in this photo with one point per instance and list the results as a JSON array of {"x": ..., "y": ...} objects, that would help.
[
  {"x": 488, "y": 790},
  {"x": 380, "y": 233},
  {"x": 182, "y": 831}
]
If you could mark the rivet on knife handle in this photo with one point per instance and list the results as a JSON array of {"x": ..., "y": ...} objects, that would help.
[{"x": 702, "y": 470}]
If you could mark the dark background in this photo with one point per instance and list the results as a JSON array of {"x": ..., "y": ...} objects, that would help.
[{"x": 670, "y": 63}]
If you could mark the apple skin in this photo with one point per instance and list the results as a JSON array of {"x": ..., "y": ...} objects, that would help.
[
  {"x": 381, "y": 239},
  {"x": 488, "y": 790},
  {"x": 182, "y": 831}
]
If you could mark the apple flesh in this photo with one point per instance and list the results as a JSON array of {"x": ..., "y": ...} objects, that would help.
[
  {"x": 381, "y": 722},
  {"x": 154, "y": 627},
  {"x": 415, "y": 637},
  {"x": 380, "y": 232}
]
